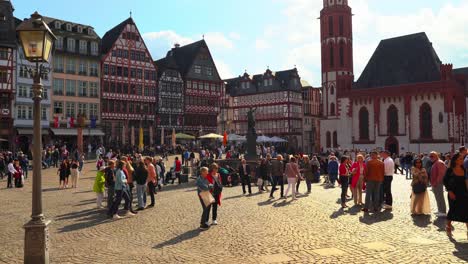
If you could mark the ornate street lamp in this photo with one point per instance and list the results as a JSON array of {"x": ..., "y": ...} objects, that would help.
[{"x": 37, "y": 41}]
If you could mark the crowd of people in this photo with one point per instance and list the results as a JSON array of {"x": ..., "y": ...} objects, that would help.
[{"x": 121, "y": 176}]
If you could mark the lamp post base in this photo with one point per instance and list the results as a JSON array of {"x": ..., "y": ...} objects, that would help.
[{"x": 36, "y": 242}]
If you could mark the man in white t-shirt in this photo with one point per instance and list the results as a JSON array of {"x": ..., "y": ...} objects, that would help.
[{"x": 389, "y": 167}]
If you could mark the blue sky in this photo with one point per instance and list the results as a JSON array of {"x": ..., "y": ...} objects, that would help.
[{"x": 251, "y": 35}]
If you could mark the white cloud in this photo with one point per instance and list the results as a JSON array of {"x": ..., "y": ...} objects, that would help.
[
  {"x": 261, "y": 44},
  {"x": 168, "y": 36},
  {"x": 234, "y": 35},
  {"x": 223, "y": 69},
  {"x": 218, "y": 40}
]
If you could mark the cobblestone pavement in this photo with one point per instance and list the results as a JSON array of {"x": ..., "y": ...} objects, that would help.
[{"x": 251, "y": 229}]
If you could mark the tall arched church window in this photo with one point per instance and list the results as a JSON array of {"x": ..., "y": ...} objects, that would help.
[
  {"x": 341, "y": 54},
  {"x": 332, "y": 109},
  {"x": 363, "y": 124},
  {"x": 332, "y": 56},
  {"x": 335, "y": 139},
  {"x": 328, "y": 139},
  {"x": 425, "y": 121},
  {"x": 340, "y": 22},
  {"x": 392, "y": 120},
  {"x": 332, "y": 90},
  {"x": 330, "y": 26}
]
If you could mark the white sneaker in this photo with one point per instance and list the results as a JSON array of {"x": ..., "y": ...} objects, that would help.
[
  {"x": 214, "y": 222},
  {"x": 439, "y": 214},
  {"x": 129, "y": 213},
  {"x": 116, "y": 217}
]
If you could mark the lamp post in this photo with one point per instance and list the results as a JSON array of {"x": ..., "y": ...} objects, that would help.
[{"x": 37, "y": 41}]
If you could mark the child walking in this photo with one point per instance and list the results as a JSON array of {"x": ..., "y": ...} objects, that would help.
[{"x": 98, "y": 187}]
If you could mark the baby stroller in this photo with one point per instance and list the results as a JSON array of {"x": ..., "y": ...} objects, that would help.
[{"x": 170, "y": 175}]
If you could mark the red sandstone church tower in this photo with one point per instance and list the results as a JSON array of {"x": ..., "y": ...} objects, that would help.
[{"x": 337, "y": 53}]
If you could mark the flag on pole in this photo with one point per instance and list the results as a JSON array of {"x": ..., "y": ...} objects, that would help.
[
  {"x": 68, "y": 122},
  {"x": 56, "y": 121},
  {"x": 72, "y": 122},
  {"x": 93, "y": 122},
  {"x": 225, "y": 138},
  {"x": 132, "y": 136},
  {"x": 173, "y": 138},
  {"x": 140, "y": 139},
  {"x": 162, "y": 136}
]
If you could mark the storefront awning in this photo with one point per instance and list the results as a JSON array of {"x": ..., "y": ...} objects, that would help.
[
  {"x": 74, "y": 132},
  {"x": 30, "y": 131}
]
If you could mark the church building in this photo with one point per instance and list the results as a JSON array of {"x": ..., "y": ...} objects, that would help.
[{"x": 406, "y": 99}]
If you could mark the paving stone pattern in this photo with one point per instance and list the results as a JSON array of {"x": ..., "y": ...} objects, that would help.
[{"x": 252, "y": 229}]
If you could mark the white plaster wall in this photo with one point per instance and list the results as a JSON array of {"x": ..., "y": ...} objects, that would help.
[
  {"x": 439, "y": 130},
  {"x": 355, "y": 122},
  {"x": 400, "y": 105}
]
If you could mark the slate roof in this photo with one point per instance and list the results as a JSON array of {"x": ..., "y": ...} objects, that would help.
[
  {"x": 401, "y": 60},
  {"x": 168, "y": 62},
  {"x": 282, "y": 81},
  {"x": 50, "y": 22},
  {"x": 463, "y": 71},
  {"x": 185, "y": 56},
  {"x": 112, "y": 35}
]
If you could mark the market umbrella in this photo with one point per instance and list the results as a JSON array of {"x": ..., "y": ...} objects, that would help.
[
  {"x": 263, "y": 139},
  {"x": 234, "y": 137},
  {"x": 140, "y": 139},
  {"x": 225, "y": 138},
  {"x": 278, "y": 139},
  {"x": 211, "y": 136}
]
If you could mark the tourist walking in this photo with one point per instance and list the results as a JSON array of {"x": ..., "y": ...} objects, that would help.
[
  {"x": 308, "y": 172},
  {"x": 141, "y": 175},
  {"x": 177, "y": 170},
  {"x": 357, "y": 181},
  {"x": 244, "y": 174},
  {"x": 151, "y": 180},
  {"x": 203, "y": 189},
  {"x": 292, "y": 173},
  {"x": 120, "y": 188},
  {"x": 277, "y": 172},
  {"x": 262, "y": 175},
  {"x": 99, "y": 186},
  {"x": 129, "y": 170},
  {"x": 437, "y": 176},
  {"x": 389, "y": 166},
  {"x": 344, "y": 179},
  {"x": 420, "y": 204},
  {"x": 454, "y": 181},
  {"x": 215, "y": 180},
  {"x": 109, "y": 174},
  {"x": 374, "y": 176},
  {"x": 11, "y": 173},
  {"x": 74, "y": 173},
  {"x": 64, "y": 172},
  {"x": 19, "y": 175},
  {"x": 332, "y": 171}
]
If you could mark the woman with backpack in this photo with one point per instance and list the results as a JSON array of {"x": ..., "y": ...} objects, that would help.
[{"x": 215, "y": 179}]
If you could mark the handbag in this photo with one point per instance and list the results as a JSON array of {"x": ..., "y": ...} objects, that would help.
[
  {"x": 207, "y": 198},
  {"x": 419, "y": 188}
]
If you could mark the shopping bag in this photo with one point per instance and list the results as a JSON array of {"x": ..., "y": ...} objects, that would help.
[{"x": 207, "y": 198}]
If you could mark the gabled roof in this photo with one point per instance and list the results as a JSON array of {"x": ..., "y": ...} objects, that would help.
[
  {"x": 112, "y": 35},
  {"x": 166, "y": 63},
  {"x": 401, "y": 60},
  {"x": 185, "y": 56}
]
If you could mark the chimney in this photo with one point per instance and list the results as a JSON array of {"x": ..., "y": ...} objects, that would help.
[{"x": 177, "y": 45}]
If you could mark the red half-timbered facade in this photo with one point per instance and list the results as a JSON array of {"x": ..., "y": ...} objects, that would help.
[
  {"x": 277, "y": 98},
  {"x": 128, "y": 85},
  {"x": 202, "y": 87},
  {"x": 7, "y": 74}
]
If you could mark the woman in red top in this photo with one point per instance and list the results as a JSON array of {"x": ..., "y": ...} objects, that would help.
[
  {"x": 357, "y": 181},
  {"x": 177, "y": 169},
  {"x": 344, "y": 179},
  {"x": 214, "y": 178}
]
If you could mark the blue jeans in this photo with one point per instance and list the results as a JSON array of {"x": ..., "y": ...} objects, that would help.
[
  {"x": 332, "y": 177},
  {"x": 141, "y": 195},
  {"x": 408, "y": 171},
  {"x": 372, "y": 195}
]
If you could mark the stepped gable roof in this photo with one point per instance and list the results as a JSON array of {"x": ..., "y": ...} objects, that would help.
[
  {"x": 184, "y": 56},
  {"x": 112, "y": 35},
  {"x": 401, "y": 60}
]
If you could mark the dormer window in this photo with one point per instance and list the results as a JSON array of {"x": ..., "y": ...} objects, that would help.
[
  {"x": 69, "y": 27},
  {"x": 2, "y": 17},
  {"x": 90, "y": 31},
  {"x": 244, "y": 85},
  {"x": 79, "y": 29},
  {"x": 58, "y": 25}
]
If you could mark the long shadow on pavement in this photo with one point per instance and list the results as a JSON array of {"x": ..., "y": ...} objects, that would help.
[
  {"x": 462, "y": 250},
  {"x": 376, "y": 217},
  {"x": 354, "y": 210},
  {"x": 180, "y": 238},
  {"x": 84, "y": 219},
  {"x": 422, "y": 220}
]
